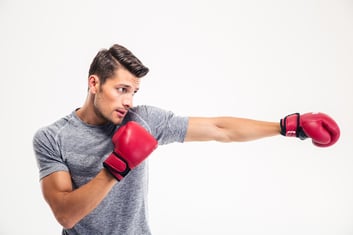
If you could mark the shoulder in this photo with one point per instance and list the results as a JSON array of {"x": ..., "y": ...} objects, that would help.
[
  {"x": 150, "y": 113},
  {"x": 163, "y": 124},
  {"x": 51, "y": 131},
  {"x": 146, "y": 109},
  {"x": 145, "y": 112}
]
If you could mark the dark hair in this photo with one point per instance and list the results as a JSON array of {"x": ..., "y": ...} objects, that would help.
[{"x": 106, "y": 62}]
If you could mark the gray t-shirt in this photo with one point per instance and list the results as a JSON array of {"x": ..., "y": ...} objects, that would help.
[{"x": 74, "y": 146}]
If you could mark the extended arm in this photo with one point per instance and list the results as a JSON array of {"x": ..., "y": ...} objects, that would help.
[{"x": 321, "y": 128}]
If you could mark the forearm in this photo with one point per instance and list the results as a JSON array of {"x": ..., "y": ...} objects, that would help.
[
  {"x": 229, "y": 129},
  {"x": 242, "y": 129},
  {"x": 70, "y": 206}
]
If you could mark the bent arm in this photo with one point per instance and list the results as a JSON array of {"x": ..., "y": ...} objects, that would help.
[
  {"x": 229, "y": 129},
  {"x": 70, "y": 206}
]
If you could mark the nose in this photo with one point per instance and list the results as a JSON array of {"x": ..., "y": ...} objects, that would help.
[{"x": 127, "y": 101}]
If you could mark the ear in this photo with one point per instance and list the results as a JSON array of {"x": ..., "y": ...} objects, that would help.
[{"x": 93, "y": 84}]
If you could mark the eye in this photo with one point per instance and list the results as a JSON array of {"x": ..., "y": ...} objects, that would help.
[{"x": 122, "y": 90}]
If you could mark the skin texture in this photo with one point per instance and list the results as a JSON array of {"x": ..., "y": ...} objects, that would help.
[{"x": 109, "y": 102}]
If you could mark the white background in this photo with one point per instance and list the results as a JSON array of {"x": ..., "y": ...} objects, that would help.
[{"x": 255, "y": 59}]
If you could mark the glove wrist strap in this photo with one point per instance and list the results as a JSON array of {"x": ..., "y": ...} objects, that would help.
[
  {"x": 117, "y": 166},
  {"x": 290, "y": 125}
]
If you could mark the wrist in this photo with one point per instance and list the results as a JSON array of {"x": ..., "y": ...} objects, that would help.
[{"x": 106, "y": 176}]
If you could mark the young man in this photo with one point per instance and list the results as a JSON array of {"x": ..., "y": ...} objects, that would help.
[{"x": 92, "y": 162}]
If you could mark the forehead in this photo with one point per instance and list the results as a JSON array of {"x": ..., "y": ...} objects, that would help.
[{"x": 123, "y": 77}]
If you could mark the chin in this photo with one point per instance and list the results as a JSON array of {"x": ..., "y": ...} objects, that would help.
[{"x": 117, "y": 121}]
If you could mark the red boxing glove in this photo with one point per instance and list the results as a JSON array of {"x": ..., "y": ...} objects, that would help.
[
  {"x": 132, "y": 145},
  {"x": 321, "y": 128}
]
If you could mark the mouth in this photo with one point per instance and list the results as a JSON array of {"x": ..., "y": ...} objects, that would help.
[{"x": 121, "y": 112}]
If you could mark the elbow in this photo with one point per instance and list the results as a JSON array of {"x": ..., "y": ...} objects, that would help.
[
  {"x": 64, "y": 216},
  {"x": 65, "y": 221},
  {"x": 225, "y": 137},
  {"x": 234, "y": 138}
]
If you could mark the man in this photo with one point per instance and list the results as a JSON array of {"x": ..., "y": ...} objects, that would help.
[{"x": 92, "y": 162}]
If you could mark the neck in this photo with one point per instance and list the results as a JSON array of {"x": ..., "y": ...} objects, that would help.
[{"x": 88, "y": 115}]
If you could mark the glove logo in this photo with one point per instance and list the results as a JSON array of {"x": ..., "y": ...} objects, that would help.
[{"x": 291, "y": 132}]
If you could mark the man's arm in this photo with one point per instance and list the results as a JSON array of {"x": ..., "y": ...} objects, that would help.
[
  {"x": 320, "y": 127},
  {"x": 70, "y": 206},
  {"x": 132, "y": 144},
  {"x": 229, "y": 129}
]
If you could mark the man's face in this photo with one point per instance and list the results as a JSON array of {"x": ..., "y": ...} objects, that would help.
[{"x": 113, "y": 99}]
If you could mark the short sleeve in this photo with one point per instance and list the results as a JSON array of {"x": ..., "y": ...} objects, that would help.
[{"x": 47, "y": 153}]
